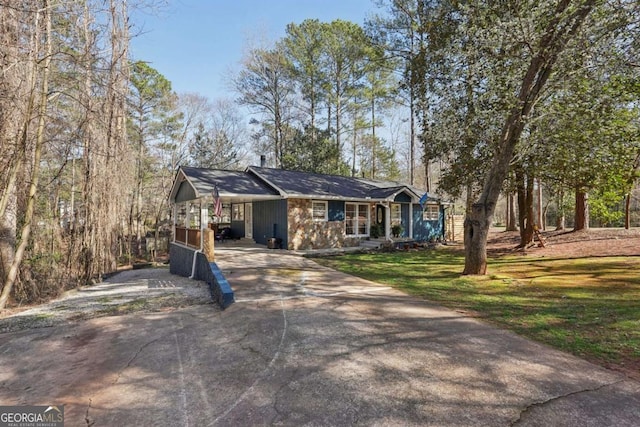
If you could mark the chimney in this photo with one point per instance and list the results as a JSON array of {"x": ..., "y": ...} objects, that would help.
[{"x": 263, "y": 160}]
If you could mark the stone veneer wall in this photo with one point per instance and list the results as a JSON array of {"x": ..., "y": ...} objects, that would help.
[{"x": 305, "y": 233}]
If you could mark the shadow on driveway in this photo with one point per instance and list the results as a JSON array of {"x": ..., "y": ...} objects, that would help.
[{"x": 303, "y": 344}]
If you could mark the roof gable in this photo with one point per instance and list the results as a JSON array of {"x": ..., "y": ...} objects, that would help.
[{"x": 229, "y": 183}]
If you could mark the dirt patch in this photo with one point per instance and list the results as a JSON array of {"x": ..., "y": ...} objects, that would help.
[
  {"x": 595, "y": 242},
  {"x": 129, "y": 291}
]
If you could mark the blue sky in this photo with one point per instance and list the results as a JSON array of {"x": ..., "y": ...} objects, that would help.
[{"x": 194, "y": 43}]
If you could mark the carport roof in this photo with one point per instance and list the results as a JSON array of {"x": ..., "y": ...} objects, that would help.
[{"x": 229, "y": 183}]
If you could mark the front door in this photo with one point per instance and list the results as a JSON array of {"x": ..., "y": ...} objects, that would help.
[
  {"x": 248, "y": 220},
  {"x": 379, "y": 218},
  {"x": 380, "y": 210}
]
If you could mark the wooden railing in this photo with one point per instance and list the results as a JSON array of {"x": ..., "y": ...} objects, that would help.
[{"x": 188, "y": 236}]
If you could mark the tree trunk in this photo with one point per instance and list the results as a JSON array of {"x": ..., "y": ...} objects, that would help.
[
  {"x": 427, "y": 174},
  {"x": 483, "y": 211},
  {"x": 16, "y": 162},
  {"x": 560, "y": 218},
  {"x": 5, "y": 198},
  {"x": 627, "y": 204},
  {"x": 512, "y": 224},
  {"x": 469, "y": 200},
  {"x": 25, "y": 233},
  {"x": 476, "y": 231},
  {"x": 412, "y": 135},
  {"x": 338, "y": 112},
  {"x": 314, "y": 135},
  {"x": 278, "y": 136},
  {"x": 8, "y": 229},
  {"x": 627, "y": 211},
  {"x": 525, "y": 207},
  {"x": 540, "y": 216},
  {"x": 139, "y": 223},
  {"x": 559, "y": 29},
  {"x": 582, "y": 211},
  {"x": 354, "y": 149},
  {"x": 507, "y": 213},
  {"x": 526, "y": 237},
  {"x": 561, "y": 222},
  {"x": 373, "y": 137},
  {"x": 544, "y": 214}
]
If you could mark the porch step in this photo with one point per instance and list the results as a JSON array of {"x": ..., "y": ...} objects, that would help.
[{"x": 372, "y": 243}]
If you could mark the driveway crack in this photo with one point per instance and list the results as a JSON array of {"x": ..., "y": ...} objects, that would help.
[
  {"x": 263, "y": 374},
  {"x": 279, "y": 416},
  {"x": 90, "y": 422},
  {"x": 533, "y": 405},
  {"x": 135, "y": 356}
]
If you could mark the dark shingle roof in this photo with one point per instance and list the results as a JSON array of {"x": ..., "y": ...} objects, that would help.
[
  {"x": 228, "y": 182},
  {"x": 384, "y": 193},
  {"x": 269, "y": 182},
  {"x": 312, "y": 184},
  {"x": 327, "y": 186}
]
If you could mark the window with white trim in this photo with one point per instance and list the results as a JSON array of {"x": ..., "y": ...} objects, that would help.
[
  {"x": 237, "y": 212},
  {"x": 319, "y": 210},
  {"x": 194, "y": 215},
  {"x": 356, "y": 219},
  {"x": 226, "y": 213},
  {"x": 396, "y": 214},
  {"x": 431, "y": 213}
]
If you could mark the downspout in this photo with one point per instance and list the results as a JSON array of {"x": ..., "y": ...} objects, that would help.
[
  {"x": 203, "y": 218},
  {"x": 193, "y": 265},
  {"x": 174, "y": 214}
]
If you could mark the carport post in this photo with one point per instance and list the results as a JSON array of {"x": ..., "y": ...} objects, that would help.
[
  {"x": 387, "y": 221},
  {"x": 209, "y": 244},
  {"x": 411, "y": 220}
]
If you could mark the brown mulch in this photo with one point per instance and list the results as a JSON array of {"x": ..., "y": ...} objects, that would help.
[{"x": 594, "y": 242}]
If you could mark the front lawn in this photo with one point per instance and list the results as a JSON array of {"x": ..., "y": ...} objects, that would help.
[{"x": 587, "y": 306}]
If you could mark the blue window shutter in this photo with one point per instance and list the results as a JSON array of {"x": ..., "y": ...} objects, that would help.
[{"x": 336, "y": 210}]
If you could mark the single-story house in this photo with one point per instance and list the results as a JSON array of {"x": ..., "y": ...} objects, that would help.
[{"x": 300, "y": 210}]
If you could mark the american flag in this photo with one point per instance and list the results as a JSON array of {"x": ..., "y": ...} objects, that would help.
[{"x": 217, "y": 203}]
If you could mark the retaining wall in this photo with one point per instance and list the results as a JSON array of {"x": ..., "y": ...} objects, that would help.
[{"x": 181, "y": 262}]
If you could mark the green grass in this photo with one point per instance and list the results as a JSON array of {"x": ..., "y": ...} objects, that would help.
[
  {"x": 587, "y": 306},
  {"x": 132, "y": 306},
  {"x": 43, "y": 316}
]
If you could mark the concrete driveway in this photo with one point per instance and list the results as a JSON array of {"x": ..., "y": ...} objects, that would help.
[{"x": 304, "y": 345}]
